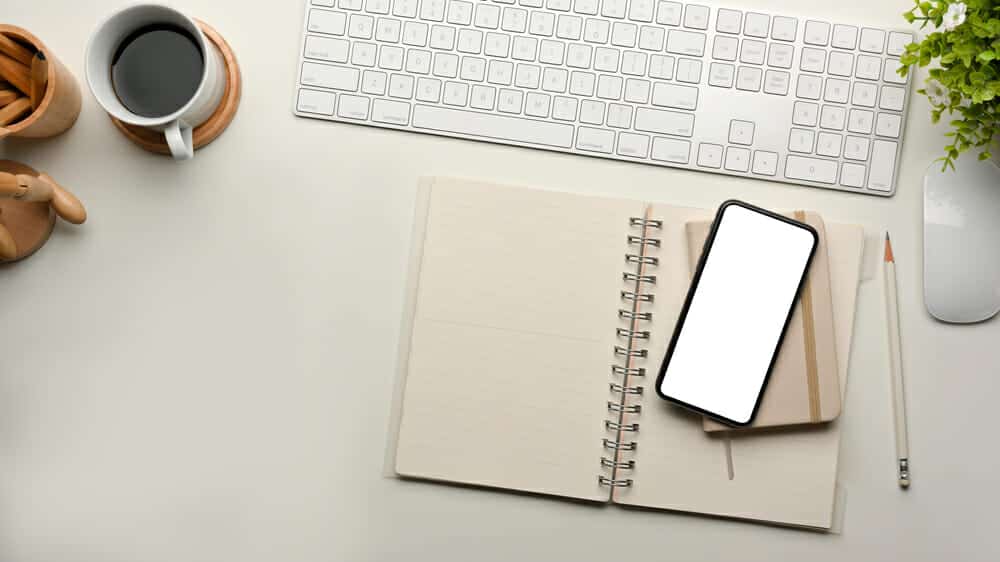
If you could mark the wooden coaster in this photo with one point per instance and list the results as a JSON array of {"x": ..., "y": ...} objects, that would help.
[
  {"x": 29, "y": 224},
  {"x": 154, "y": 141}
]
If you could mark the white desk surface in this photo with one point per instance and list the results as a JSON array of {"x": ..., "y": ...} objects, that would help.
[{"x": 203, "y": 371}]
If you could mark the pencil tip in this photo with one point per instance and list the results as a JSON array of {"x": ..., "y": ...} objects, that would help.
[{"x": 888, "y": 249}]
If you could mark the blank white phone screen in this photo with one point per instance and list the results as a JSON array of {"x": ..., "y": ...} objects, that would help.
[{"x": 736, "y": 317}]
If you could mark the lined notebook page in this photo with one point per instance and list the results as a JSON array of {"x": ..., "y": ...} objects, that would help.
[
  {"x": 511, "y": 337},
  {"x": 782, "y": 476}
]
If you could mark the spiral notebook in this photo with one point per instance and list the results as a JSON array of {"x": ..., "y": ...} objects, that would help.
[{"x": 534, "y": 321}]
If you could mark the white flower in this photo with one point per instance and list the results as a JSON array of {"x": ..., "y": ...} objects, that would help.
[
  {"x": 936, "y": 92},
  {"x": 954, "y": 16}
]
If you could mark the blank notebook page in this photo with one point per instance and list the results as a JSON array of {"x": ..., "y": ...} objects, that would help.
[{"x": 513, "y": 320}]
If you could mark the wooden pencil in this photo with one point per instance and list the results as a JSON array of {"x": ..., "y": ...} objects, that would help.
[
  {"x": 39, "y": 79},
  {"x": 896, "y": 368},
  {"x": 14, "y": 111},
  {"x": 15, "y": 73},
  {"x": 7, "y": 96},
  {"x": 15, "y": 50}
]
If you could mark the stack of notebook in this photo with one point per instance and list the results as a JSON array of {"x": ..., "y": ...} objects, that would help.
[{"x": 514, "y": 343}]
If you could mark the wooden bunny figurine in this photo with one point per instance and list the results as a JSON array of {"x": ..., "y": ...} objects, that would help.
[{"x": 26, "y": 198}]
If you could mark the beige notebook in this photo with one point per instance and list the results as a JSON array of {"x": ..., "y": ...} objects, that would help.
[
  {"x": 803, "y": 386},
  {"x": 524, "y": 359}
]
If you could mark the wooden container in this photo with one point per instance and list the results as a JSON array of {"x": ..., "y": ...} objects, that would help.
[{"x": 60, "y": 105}]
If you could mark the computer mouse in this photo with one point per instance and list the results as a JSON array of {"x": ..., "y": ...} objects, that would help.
[{"x": 962, "y": 240}]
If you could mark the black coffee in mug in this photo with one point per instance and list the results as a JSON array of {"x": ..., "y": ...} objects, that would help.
[{"x": 157, "y": 69}]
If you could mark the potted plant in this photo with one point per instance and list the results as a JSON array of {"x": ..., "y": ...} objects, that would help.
[{"x": 964, "y": 82}]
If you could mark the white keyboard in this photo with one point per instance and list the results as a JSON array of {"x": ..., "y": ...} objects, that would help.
[{"x": 737, "y": 92}]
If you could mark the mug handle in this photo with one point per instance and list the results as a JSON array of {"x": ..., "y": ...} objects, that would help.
[{"x": 179, "y": 140}]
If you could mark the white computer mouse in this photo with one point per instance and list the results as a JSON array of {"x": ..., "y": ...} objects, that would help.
[{"x": 962, "y": 240}]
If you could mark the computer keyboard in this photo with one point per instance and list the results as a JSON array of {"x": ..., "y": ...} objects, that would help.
[{"x": 802, "y": 100}]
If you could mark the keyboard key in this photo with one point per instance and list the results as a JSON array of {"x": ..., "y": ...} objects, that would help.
[
  {"x": 664, "y": 122},
  {"x": 456, "y": 93},
  {"x": 333, "y": 77},
  {"x": 828, "y": 144},
  {"x": 322, "y": 21},
  {"x": 809, "y": 87},
  {"x": 609, "y": 87},
  {"x": 756, "y": 25},
  {"x": 752, "y": 52},
  {"x": 832, "y": 117},
  {"x": 887, "y": 125},
  {"x": 801, "y": 140},
  {"x": 542, "y": 23},
  {"x": 569, "y": 27},
  {"x": 524, "y": 48},
  {"x": 651, "y": 38},
  {"x": 404, "y": 8},
  {"x": 391, "y": 58},
  {"x": 737, "y": 159},
  {"x": 514, "y": 20},
  {"x": 595, "y": 140},
  {"x": 816, "y": 33},
  {"x": 836, "y": 90},
  {"x": 741, "y": 132},
  {"x": 748, "y": 78},
  {"x": 637, "y": 91},
  {"x": 661, "y": 66},
  {"x": 446, "y": 65},
  {"x": 373, "y": 82},
  {"x": 671, "y": 150},
  {"x": 459, "y": 12},
  {"x": 579, "y": 56},
  {"x": 613, "y": 8},
  {"x": 428, "y": 89},
  {"x": 892, "y": 98},
  {"x": 844, "y": 36},
  {"x": 419, "y": 62},
  {"x": 721, "y": 75},
  {"x": 377, "y": 6},
  {"x": 497, "y": 45},
  {"x": 528, "y": 76},
  {"x": 510, "y": 101},
  {"x": 685, "y": 43},
  {"x": 813, "y": 60},
  {"x": 805, "y": 113},
  {"x": 442, "y": 37},
  {"x": 709, "y": 155},
  {"x": 361, "y": 26},
  {"x": 784, "y": 29},
  {"x": 487, "y": 16},
  {"x": 883, "y": 161},
  {"x": 868, "y": 67},
  {"x": 890, "y": 72},
  {"x": 780, "y": 56},
  {"x": 811, "y": 169},
  {"x": 765, "y": 163},
  {"x": 592, "y": 112},
  {"x": 856, "y": 148},
  {"x": 852, "y": 175},
  {"x": 326, "y": 48},
  {"x": 350, "y": 4},
  {"x": 872, "y": 40},
  {"x": 488, "y": 125},
  {"x": 728, "y": 21},
  {"x": 401, "y": 86},
  {"x": 537, "y": 104},
  {"x": 632, "y": 144},
  {"x": 432, "y": 10},
  {"x": 415, "y": 33},
  {"x": 864, "y": 94},
  {"x": 564, "y": 108},
  {"x": 387, "y": 29},
  {"x": 555, "y": 80},
  {"x": 391, "y": 112},
  {"x": 582, "y": 83},
  {"x": 673, "y": 95},
  {"x": 313, "y": 101},
  {"x": 840, "y": 64},
  {"x": 669, "y": 13},
  {"x": 363, "y": 54},
  {"x": 688, "y": 70},
  {"x": 473, "y": 68},
  {"x": 641, "y": 10},
  {"x": 551, "y": 52},
  {"x": 776, "y": 82},
  {"x": 624, "y": 34},
  {"x": 725, "y": 48},
  {"x": 898, "y": 42},
  {"x": 352, "y": 107},
  {"x": 588, "y": 7},
  {"x": 470, "y": 41},
  {"x": 695, "y": 16},
  {"x": 860, "y": 121},
  {"x": 634, "y": 63}
]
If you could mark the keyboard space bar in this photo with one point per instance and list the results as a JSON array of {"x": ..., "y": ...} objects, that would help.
[{"x": 492, "y": 126}]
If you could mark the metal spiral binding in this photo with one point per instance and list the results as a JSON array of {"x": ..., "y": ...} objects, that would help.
[{"x": 628, "y": 350}]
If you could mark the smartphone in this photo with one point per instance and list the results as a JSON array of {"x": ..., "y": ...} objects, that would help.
[{"x": 737, "y": 310}]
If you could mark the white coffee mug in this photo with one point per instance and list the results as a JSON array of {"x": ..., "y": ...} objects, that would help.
[{"x": 177, "y": 127}]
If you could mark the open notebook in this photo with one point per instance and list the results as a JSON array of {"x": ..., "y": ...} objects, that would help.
[{"x": 518, "y": 369}]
